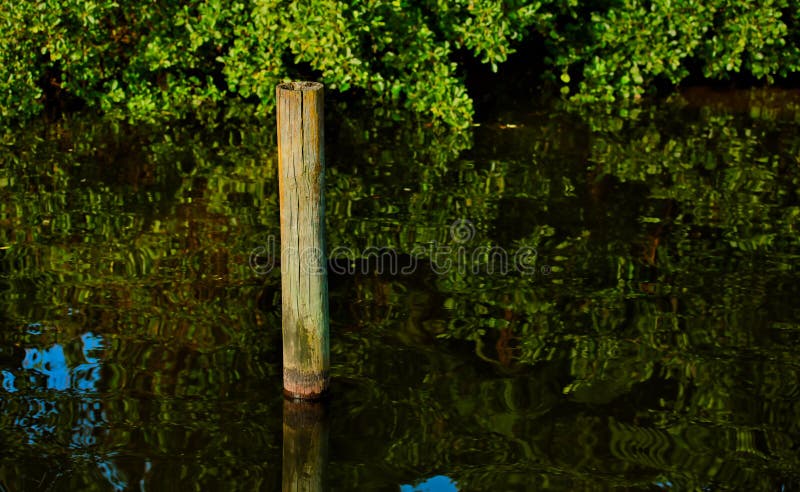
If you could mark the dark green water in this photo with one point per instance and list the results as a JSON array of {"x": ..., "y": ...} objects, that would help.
[{"x": 596, "y": 303}]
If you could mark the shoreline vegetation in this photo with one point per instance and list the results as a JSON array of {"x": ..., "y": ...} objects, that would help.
[{"x": 147, "y": 62}]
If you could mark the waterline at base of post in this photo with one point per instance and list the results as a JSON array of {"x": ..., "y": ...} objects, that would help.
[{"x": 300, "y": 385}]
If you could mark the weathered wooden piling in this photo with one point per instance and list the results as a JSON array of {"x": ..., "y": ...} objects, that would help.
[
  {"x": 305, "y": 446},
  {"x": 304, "y": 281}
]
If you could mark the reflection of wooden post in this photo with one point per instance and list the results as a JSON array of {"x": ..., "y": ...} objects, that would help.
[
  {"x": 304, "y": 281},
  {"x": 305, "y": 446}
]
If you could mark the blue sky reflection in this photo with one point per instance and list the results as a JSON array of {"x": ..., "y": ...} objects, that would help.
[
  {"x": 78, "y": 374},
  {"x": 439, "y": 483}
]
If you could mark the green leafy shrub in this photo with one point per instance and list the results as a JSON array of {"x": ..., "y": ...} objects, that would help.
[
  {"x": 150, "y": 60},
  {"x": 619, "y": 51},
  {"x": 160, "y": 60}
]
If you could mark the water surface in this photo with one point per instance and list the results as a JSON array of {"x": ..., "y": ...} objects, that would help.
[{"x": 581, "y": 301}]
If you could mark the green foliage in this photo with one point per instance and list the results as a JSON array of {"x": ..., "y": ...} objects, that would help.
[
  {"x": 156, "y": 61},
  {"x": 152, "y": 61},
  {"x": 628, "y": 46}
]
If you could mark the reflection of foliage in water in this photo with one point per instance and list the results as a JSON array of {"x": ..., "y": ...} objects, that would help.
[
  {"x": 670, "y": 234},
  {"x": 138, "y": 237}
]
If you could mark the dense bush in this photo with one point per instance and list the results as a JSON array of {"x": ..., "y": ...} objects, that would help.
[
  {"x": 633, "y": 43},
  {"x": 154, "y": 60}
]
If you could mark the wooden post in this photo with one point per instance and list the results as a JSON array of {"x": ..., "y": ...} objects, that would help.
[
  {"x": 305, "y": 446},
  {"x": 304, "y": 280}
]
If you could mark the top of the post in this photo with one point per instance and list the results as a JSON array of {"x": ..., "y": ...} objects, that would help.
[{"x": 300, "y": 86}]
